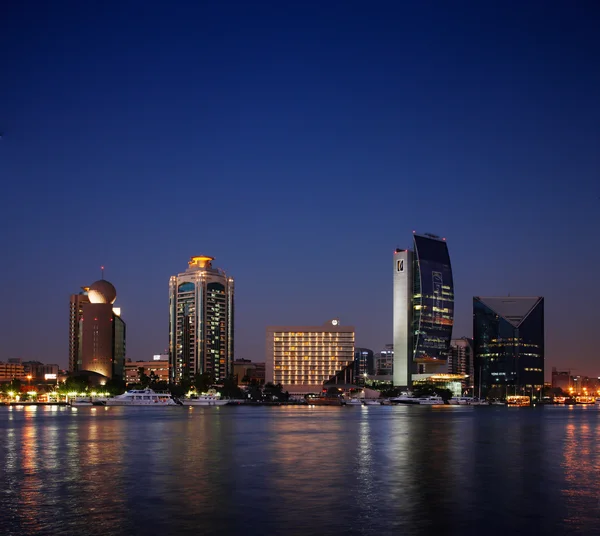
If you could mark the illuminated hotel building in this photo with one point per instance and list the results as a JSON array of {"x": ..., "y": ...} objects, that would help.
[
  {"x": 201, "y": 325},
  {"x": 508, "y": 335},
  {"x": 423, "y": 308},
  {"x": 96, "y": 332},
  {"x": 302, "y": 358}
]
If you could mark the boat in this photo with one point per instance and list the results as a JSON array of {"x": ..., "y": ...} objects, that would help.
[
  {"x": 142, "y": 397},
  {"x": 461, "y": 401},
  {"x": 325, "y": 401},
  {"x": 81, "y": 401},
  {"x": 423, "y": 400},
  {"x": 371, "y": 402},
  {"x": 353, "y": 402},
  {"x": 479, "y": 402},
  {"x": 208, "y": 399}
]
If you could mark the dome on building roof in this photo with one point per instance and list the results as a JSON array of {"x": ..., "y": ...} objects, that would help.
[{"x": 102, "y": 292}]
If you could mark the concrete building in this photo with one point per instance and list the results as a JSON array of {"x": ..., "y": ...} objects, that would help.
[
  {"x": 201, "y": 325},
  {"x": 12, "y": 371},
  {"x": 159, "y": 366},
  {"x": 303, "y": 358},
  {"x": 96, "y": 332},
  {"x": 242, "y": 370},
  {"x": 40, "y": 371},
  {"x": 423, "y": 292},
  {"x": 508, "y": 337}
]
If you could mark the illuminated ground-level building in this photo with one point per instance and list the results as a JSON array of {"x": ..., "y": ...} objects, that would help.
[
  {"x": 303, "y": 358},
  {"x": 453, "y": 382},
  {"x": 508, "y": 335},
  {"x": 201, "y": 327},
  {"x": 423, "y": 292},
  {"x": 97, "y": 333}
]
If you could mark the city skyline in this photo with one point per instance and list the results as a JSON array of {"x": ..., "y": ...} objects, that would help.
[{"x": 301, "y": 166}]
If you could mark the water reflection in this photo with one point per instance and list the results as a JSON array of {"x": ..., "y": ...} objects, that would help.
[{"x": 376, "y": 470}]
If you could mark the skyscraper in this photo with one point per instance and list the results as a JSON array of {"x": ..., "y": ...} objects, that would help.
[
  {"x": 508, "y": 334},
  {"x": 461, "y": 359},
  {"x": 423, "y": 308},
  {"x": 96, "y": 332},
  {"x": 201, "y": 327}
]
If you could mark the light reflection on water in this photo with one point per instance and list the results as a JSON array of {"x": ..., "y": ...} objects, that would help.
[{"x": 295, "y": 470}]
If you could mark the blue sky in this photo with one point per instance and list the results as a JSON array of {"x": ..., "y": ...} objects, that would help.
[{"x": 299, "y": 145}]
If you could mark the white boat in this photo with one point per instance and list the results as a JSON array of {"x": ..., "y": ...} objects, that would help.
[
  {"x": 431, "y": 400},
  {"x": 80, "y": 401},
  {"x": 142, "y": 397},
  {"x": 479, "y": 402},
  {"x": 423, "y": 400},
  {"x": 205, "y": 400},
  {"x": 353, "y": 402},
  {"x": 461, "y": 401},
  {"x": 371, "y": 402}
]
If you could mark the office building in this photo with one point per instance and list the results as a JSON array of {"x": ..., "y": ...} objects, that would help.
[
  {"x": 158, "y": 368},
  {"x": 303, "y": 358},
  {"x": 423, "y": 308},
  {"x": 508, "y": 335},
  {"x": 364, "y": 364},
  {"x": 384, "y": 361},
  {"x": 201, "y": 326},
  {"x": 461, "y": 360},
  {"x": 96, "y": 332}
]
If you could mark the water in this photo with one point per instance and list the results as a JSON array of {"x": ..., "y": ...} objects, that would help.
[{"x": 299, "y": 471}]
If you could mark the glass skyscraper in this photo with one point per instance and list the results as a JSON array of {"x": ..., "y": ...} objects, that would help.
[
  {"x": 508, "y": 334},
  {"x": 201, "y": 333},
  {"x": 423, "y": 308}
]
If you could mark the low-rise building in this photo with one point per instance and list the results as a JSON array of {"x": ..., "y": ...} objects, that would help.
[
  {"x": 13, "y": 370},
  {"x": 159, "y": 366}
]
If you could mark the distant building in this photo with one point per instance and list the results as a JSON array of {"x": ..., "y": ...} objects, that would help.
[
  {"x": 201, "y": 327},
  {"x": 258, "y": 373},
  {"x": 303, "y": 358},
  {"x": 423, "y": 308},
  {"x": 159, "y": 366},
  {"x": 40, "y": 371},
  {"x": 242, "y": 370},
  {"x": 461, "y": 360},
  {"x": 96, "y": 332},
  {"x": 384, "y": 361},
  {"x": 561, "y": 379},
  {"x": 508, "y": 335},
  {"x": 364, "y": 364},
  {"x": 12, "y": 371}
]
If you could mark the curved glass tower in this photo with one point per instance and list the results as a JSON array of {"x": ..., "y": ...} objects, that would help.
[
  {"x": 433, "y": 300},
  {"x": 423, "y": 308},
  {"x": 201, "y": 321}
]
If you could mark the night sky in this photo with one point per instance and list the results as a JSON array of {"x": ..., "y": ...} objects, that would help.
[{"x": 299, "y": 145}]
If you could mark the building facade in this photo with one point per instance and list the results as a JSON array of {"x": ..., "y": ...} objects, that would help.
[
  {"x": 158, "y": 367},
  {"x": 97, "y": 333},
  {"x": 461, "y": 361},
  {"x": 423, "y": 292},
  {"x": 508, "y": 335},
  {"x": 201, "y": 321},
  {"x": 13, "y": 370},
  {"x": 303, "y": 358}
]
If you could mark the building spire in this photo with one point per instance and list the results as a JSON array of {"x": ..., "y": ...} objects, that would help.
[{"x": 101, "y": 272}]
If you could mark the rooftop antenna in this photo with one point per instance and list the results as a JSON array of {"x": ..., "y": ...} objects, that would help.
[{"x": 102, "y": 272}]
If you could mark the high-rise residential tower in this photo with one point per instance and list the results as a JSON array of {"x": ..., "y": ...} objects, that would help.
[
  {"x": 423, "y": 308},
  {"x": 508, "y": 336},
  {"x": 96, "y": 332},
  {"x": 461, "y": 359},
  {"x": 201, "y": 328}
]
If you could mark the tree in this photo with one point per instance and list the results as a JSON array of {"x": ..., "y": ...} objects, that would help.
[
  {"x": 115, "y": 386},
  {"x": 229, "y": 389},
  {"x": 202, "y": 382},
  {"x": 143, "y": 378}
]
